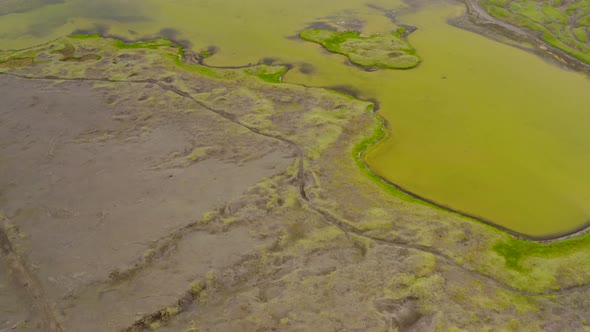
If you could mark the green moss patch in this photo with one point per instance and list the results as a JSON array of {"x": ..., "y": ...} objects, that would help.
[
  {"x": 515, "y": 251},
  {"x": 389, "y": 51},
  {"x": 270, "y": 74}
]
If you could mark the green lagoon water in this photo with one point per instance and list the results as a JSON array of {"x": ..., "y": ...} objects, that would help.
[{"x": 479, "y": 126}]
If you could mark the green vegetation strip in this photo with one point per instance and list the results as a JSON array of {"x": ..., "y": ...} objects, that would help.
[
  {"x": 388, "y": 51},
  {"x": 515, "y": 251},
  {"x": 152, "y": 44}
]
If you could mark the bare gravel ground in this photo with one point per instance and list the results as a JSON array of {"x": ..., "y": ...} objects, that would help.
[{"x": 88, "y": 194}]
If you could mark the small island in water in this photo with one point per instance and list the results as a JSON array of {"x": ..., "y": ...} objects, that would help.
[{"x": 388, "y": 51}]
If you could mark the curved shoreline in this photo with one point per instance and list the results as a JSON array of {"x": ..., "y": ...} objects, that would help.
[
  {"x": 479, "y": 17},
  {"x": 576, "y": 233},
  {"x": 192, "y": 58},
  {"x": 381, "y": 135}
]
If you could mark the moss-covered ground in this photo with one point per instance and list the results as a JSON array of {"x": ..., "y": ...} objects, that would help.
[
  {"x": 389, "y": 51},
  {"x": 562, "y": 24},
  {"x": 327, "y": 244}
]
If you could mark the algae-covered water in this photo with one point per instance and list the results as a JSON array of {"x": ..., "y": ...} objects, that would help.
[{"x": 481, "y": 127}]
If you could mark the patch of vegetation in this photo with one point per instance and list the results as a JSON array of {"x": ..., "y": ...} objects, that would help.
[
  {"x": 200, "y": 69},
  {"x": 68, "y": 53},
  {"x": 151, "y": 44},
  {"x": 181, "y": 52},
  {"x": 198, "y": 153},
  {"x": 272, "y": 74},
  {"x": 323, "y": 238},
  {"x": 330, "y": 125},
  {"x": 388, "y": 51},
  {"x": 197, "y": 287},
  {"x": 205, "y": 54},
  {"x": 515, "y": 251},
  {"x": 561, "y": 24}
]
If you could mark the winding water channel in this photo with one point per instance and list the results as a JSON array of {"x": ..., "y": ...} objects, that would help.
[{"x": 480, "y": 127}]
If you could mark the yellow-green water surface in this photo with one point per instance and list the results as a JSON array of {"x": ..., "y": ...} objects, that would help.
[{"x": 480, "y": 127}]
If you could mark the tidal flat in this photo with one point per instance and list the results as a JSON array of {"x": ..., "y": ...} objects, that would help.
[{"x": 156, "y": 180}]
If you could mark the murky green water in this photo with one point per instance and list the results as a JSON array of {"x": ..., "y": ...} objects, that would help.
[{"x": 480, "y": 127}]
